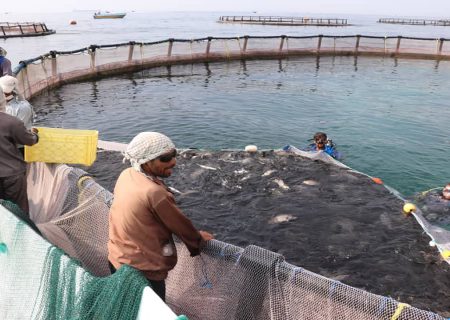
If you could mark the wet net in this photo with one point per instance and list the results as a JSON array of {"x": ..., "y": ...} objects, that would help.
[
  {"x": 434, "y": 208},
  {"x": 226, "y": 282},
  {"x": 432, "y": 213},
  {"x": 39, "y": 281},
  {"x": 254, "y": 283}
]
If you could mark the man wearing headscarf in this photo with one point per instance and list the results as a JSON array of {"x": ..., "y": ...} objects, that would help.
[
  {"x": 13, "y": 180},
  {"x": 15, "y": 106},
  {"x": 5, "y": 64},
  {"x": 144, "y": 216}
]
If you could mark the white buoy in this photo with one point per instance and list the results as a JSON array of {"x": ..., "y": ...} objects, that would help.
[{"x": 251, "y": 148}]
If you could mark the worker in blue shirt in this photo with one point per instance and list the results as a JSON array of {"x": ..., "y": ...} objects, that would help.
[{"x": 321, "y": 142}]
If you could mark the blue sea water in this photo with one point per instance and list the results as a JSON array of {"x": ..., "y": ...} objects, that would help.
[
  {"x": 146, "y": 27},
  {"x": 389, "y": 117}
]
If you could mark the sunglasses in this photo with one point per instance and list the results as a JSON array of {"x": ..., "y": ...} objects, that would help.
[
  {"x": 168, "y": 157},
  {"x": 320, "y": 141}
]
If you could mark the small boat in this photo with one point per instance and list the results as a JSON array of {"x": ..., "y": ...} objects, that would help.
[{"x": 108, "y": 15}]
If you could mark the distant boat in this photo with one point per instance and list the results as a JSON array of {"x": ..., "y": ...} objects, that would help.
[{"x": 109, "y": 15}]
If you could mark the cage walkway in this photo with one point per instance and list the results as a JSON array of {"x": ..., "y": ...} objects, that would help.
[
  {"x": 24, "y": 29},
  {"x": 415, "y": 22},
  {"x": 285, "y": 21}
]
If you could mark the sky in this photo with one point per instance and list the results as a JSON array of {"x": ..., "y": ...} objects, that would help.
[{"x": 387, "y": 8}]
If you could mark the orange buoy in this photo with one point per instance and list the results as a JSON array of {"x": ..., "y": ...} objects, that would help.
[
  {"x": 377, "y": 180},
  {"x": 73, "y": 22}
]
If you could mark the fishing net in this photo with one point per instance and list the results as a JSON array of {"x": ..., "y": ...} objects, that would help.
[
  {"x": 39, "y": 281},
  {"x": 56, "y": 67},
  {"x": 225, "y": 282},
  {"x": 433, "y": 214},
  {"x": 254, "y": 283},
  {"x": 71, "y": 211},
  {"x": 435, "y": 209}
]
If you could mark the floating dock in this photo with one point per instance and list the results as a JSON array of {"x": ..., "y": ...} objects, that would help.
[
  {"x": 285, "y": 21},
  {"x": 23, "y": 29},
  {"x": 415, "y": 22}
]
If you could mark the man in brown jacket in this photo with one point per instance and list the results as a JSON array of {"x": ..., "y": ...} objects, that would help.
[
  {"x": 144, "y": 216},
  {"x": 13, "y": 179}
]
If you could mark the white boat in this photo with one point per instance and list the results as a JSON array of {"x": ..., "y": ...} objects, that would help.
[{"x": 109, "y": 15}]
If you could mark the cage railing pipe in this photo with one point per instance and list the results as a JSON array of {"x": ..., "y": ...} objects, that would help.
[{"x": 252, "y": 47}]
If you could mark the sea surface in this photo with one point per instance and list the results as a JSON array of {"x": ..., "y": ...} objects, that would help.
[
  {"x": 389, "y": 117},
  {"x": 147, "y": 27}
]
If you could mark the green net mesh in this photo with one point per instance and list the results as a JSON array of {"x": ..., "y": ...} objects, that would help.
[{"x": 39, "y": 281}]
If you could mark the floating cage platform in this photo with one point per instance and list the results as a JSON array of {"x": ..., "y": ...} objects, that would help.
[
  {"x": 415, "y": 22},
  {"x": 24, "y": 29},
  {"x": 57, "y": 67},
  {"x": 285, "y": 21}
]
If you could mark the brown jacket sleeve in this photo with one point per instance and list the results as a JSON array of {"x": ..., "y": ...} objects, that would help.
[
  {"x": 174, "y": 220},
  {"x": 23, "y": 136},
  {"x": 6, "y": 68}
]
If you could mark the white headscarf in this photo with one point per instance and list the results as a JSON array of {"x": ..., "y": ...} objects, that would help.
[
  {"x": 2, "y": 52},
  {"x": 147, "y": 146},
  {"x": 8, "y": 84},
  {"x": 2, "y": 101}
]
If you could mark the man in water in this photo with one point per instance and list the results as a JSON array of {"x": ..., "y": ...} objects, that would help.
[
  {"x": 435, "y": 205},
  {"x": 144, "y": 216},
  {"x": 446, "y": 192},
  {"x": 13, "y": 180},
  {"x": 5, "y": 64},
  {"x": 321, "y": 142}
]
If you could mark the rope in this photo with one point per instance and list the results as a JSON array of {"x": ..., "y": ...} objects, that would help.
[
  {"x": 382, "y": 306},
  {"x": 239, "y": 44},
  {"x": 332, "y": 289},
  {"x": 222, "y": 251},
  {"x": 46, "y": 73},
  {"x": 206, "y": 283},
  {"x": 81, "y": 180},
  {"x": 399, "y": 310},
  {"x": 432, "y": 189},
  {"x": 227, "y": 50},
  {"x": 295, "y": 271}
]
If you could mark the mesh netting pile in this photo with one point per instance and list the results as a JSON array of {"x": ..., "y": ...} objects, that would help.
[
  {"x": 227, "y": 281},
  {"x": 324, "y": 218}
]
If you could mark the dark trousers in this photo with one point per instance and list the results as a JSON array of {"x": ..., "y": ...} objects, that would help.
[
  {"x": 158, "y": 286},
  {"x": 15, "y": 189}
]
